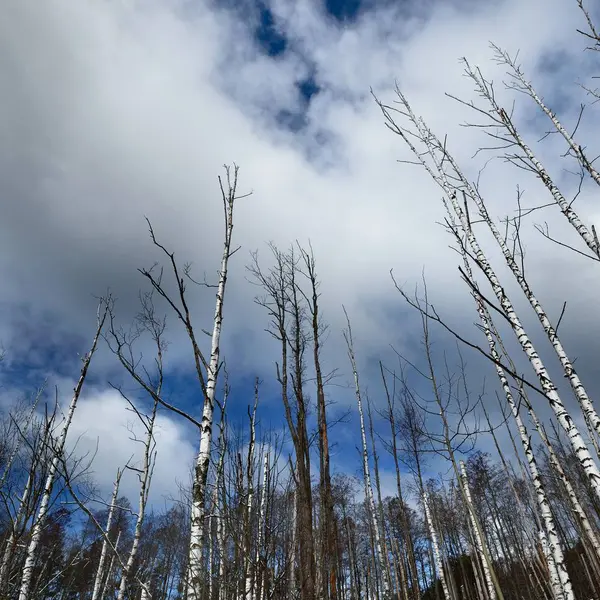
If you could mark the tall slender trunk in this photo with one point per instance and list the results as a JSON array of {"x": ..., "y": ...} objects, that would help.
[
  {"x": 532, "y": 161},
  {"x": 145, "y": 474},
  {"x": 366, "y": 470},
  {"x": 577, "y": 508},
  {"x": 568, "y": 368},
  {"x": 203, "y": 460},
  {"x": 479, "y": 540},
  {"x": 380, "y": 514},
  {"x": 564, "y": 582},
  {"x": 12, "y": 539},
  {"x": 293, "y": 546},
  {"x": 218, "y": 506},
  {"x": 260, "y": 571},
  {"x": 111, "y": 510},
  {"x": 416, "y": 592},
  {"x": 328, "y": 546},
  {"x": 477, "y": 532},
  {"x": 550, "y": 390},
  {"x": 555, "y": 586},
  {"x": 110, "y": 567},
  {"x": 526, "y": 86},
  {"x": 40, "y": 520},
  {"x": 435, "y": 547},
  {"x": 249, "y": 500}
]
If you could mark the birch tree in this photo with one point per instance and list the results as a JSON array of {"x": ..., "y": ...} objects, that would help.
[
  {"x": 438, "y": 153},
  {"x": 100, "y": 574},
  {"x": 288, "y": 314},
  {"x": 26, "y": 580},
  {"x": 206, "y": 367},
  {"x": 436, "y": 549},
  {"x": 379, "y": 555},
  {"x": 562, "y": 587}
]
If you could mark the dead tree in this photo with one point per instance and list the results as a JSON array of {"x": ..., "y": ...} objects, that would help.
[
  {"x": 59, "y": 447},
  {"x": 283, "y": 302}
]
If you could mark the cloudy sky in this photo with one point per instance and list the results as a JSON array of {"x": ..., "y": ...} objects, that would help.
[{"x": 116, "y": 110}]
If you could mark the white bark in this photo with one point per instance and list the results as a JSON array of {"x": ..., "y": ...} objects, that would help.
[
  {"x": 144, "y": 594},
  {"x": 110, "y": 566},
  {"x": 221, "y": 543},
  {"x": 294, "y": 543},
  {"x": 575, "y": 504},
  {"x": 211, "y": 557},
  {"x": 529, "y": 89},
  {"x": 366, "y": 470},
  {"x": 555, "y": 586},
  {"x": 145, "y": 474},
  {"x": 577, "y": 386},
  {"x": 248, "y": 594},
  {"x": 220, "y": 506},
  {"x": 36, "y": 530},
  {"x": 262, "y": 523},
  {"x": 477, "y": 533},
  {"x": 19, "y": 440},
  {"x": 535, "y": 164},
  {"x": 553, "y": 539},
  {"x": 436, "y": 548},
  {"x": 203, "y": 460},
  {"x": 100, "y": 570},
  {"x": 564, "y": 582},
  {"x": 18, "y": 517},
  {"x": 577, "y": 442},
  {"x": 217, "y": 508},
  {"x": 10, "y": 542}
]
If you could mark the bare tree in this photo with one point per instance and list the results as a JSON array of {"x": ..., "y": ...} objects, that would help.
[
  {"x": 283, "y": 302},
  {"x": 26, "y": 580},
  {"x": 379, "y": 548}
]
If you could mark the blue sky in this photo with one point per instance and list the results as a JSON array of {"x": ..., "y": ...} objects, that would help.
[{"x": 113, "y": 113}]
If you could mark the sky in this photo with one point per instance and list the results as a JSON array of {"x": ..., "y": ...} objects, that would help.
[{"x": 117, "y": 110}]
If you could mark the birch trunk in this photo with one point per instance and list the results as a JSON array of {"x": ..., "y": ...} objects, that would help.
[
  {"x": 262, "y": 523},
  {"x": 436, "y": 548},
  {"x": 217, "y": 507},
  {"x": 477, "y": 533},
  {"x": 554, "y": 577},
  {"x": 100, "y": 570},
  {"x": 145, "y": 474},
  {"x": 366, "y": 470},
  {"x": 577, "y": 442},
  {"x": 542, "y": 501},
  {"x": 110, "y": 566},
  {"x": 566, "y": 207},
  {"x": 416, "y": 593},
  {"x": 574, "y": 500},
  {"x": 194, "y": 586},
  {"x": 38, "y": 525},
  {"x": 20, "y": 515},
  {"x": 222, "y": 571},
  {"x": 249, "y": 500},
  {"x": 144, "y": 594},
  {"x": 11, "y": 542},
  {"x": 294, "y": 545},
  {"x": 211, "y": 556},
  {"x": 478, "y": 537},
  {"x": 524, "y": 85},
  {"x": 569, "y": 370},
  {"x": 380, "y": 514},
  {"x": 328, "y": 546}
]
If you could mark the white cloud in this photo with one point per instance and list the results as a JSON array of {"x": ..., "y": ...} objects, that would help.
[{"x": 103, "y": 427}]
